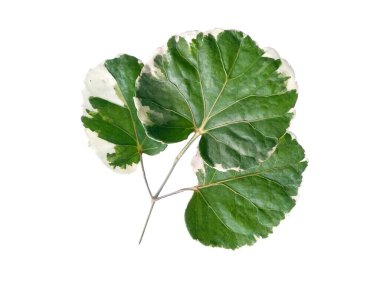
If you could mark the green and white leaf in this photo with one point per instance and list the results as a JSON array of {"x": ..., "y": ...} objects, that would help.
[
  {"x": 221, "y": 85},
  {"x": 110, "y": 118},
  {"x": 232, "y": 209}
]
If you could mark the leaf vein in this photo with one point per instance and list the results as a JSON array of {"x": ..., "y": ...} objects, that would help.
[
  {"x": 113, "y": 125},
  {"x": 224, "y": 85},
  {"x": 183, "y": 96},
  {"x": 244, "y": 176},
  {"x": 216, "y": 215},
  {"x": 242, "y": 121},
  {"x": 244, "y": 98}
]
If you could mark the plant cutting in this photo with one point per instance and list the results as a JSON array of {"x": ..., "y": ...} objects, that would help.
[{"x": 222, "y": 91}]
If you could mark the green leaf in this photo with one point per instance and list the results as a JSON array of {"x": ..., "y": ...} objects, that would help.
[
  {"x": 232, "y": 209},
  {"x": 222, "y": 86},
  {"x": 111, "y": 114}
]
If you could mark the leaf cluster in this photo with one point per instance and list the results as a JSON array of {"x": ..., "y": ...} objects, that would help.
[{"x": 232, "y": 97}]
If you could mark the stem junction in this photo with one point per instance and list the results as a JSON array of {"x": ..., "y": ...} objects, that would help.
[{"x": 156, "y": 197}]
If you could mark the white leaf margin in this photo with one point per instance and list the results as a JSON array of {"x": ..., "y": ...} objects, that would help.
[
  {"x": 284, "y": 68},
  {"x": 100, "y": 83}
]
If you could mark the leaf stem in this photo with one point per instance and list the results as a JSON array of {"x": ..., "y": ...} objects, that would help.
[
  {"x": 155, "y": 197},
  {"x": 147, "y": 220},
  {"x": 174, "y": 193},
  {"x": 144, "y": 174},
  {"x": 178, "y": 157}
]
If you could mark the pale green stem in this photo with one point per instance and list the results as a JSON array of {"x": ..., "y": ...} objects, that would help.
[
  {"x": 155, "y": 197},
  {"x": 178, "y": 157},
  {"x": 147, "y": 220},
  {"x": 175, "y": 192},
  {"x": 144, "y": 174}
]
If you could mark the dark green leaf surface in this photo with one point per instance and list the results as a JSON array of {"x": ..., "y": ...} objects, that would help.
[
  {"x": 119, "y": 124},
  {"x": 232, "y": 209},
  {"x": 222, "y": 87}
]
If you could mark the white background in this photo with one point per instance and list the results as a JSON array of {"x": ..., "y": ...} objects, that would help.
[{"x": 67, "y": 219}]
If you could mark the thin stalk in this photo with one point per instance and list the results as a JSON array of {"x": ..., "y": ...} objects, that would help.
[
  {"x": 147, "y": 220},
  {"x": 178, "y": 157},
  {"x": 175, "y": 192},
  {"x": 155, "y": 197},
  {"x": 144, "y": 174}
]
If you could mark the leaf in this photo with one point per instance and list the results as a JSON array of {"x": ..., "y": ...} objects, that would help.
[
  {"x": 232, "y": 209},
  {"x": 112, "y": 115},
  {"x": 223, "y": 87}
]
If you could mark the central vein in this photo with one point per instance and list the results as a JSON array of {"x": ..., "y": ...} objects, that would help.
[{"x": 205, "y": 120}]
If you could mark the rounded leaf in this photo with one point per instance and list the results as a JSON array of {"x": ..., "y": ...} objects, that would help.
[
  {"x": 222, "y": 86},
  {"x": 232, "y": 209},
  {"x": 110, "y": 116}
]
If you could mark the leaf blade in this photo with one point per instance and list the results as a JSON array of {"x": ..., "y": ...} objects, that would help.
[
  {"x": 113, "y": 118},
  {"x": 248, "y": 204},
  {"x": 214, "y": 82}
]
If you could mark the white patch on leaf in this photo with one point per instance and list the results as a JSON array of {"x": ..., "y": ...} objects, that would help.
[
  {"x": 284, "y": 68},
  {"x": 292, "y": 111},
  {"x": 127, "y": 170},
  {"x": 188, "y": 36},
  {"x": 220, "y": 168},
  {"x": 102, "y": 148},
  {"x": 293, "y": 136},
  {"x": 214, "y": 32},
  {"x": 256, "y": 237},
  {"x": 143, "y": 112},
  {"x": 270, "y": 53},
  {"x": 100, "y": 83},
  {"x": 270, "y": 152},
  {"x": 151, "y": 68},
  {"x": 268, "y": 155},
  {"x": 197, "y": 163}
]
